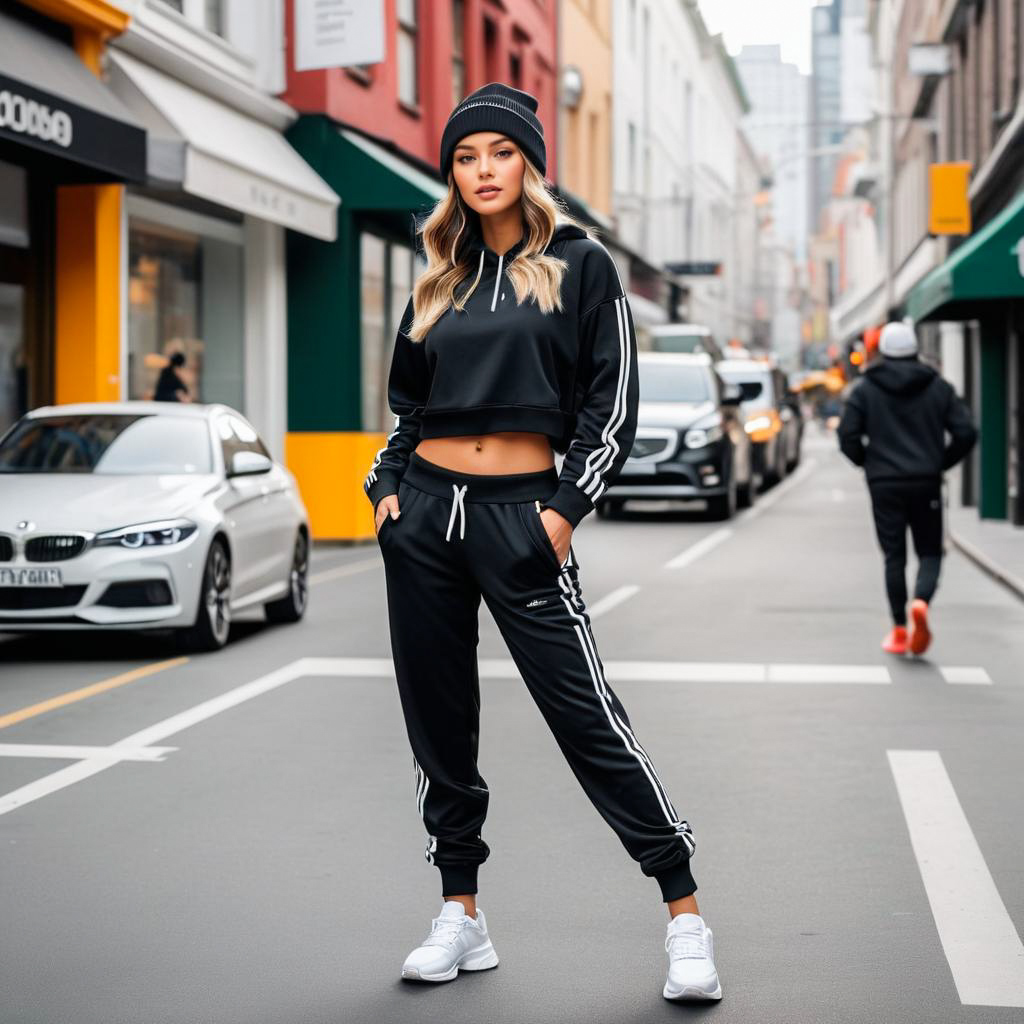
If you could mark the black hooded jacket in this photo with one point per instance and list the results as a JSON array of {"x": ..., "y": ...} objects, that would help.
[
  {"x": 904, "y": 408},
  {"x": 499, "y": 366}
]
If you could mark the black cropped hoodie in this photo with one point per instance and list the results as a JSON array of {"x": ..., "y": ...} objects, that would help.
[{"x": 497, "y": 365}]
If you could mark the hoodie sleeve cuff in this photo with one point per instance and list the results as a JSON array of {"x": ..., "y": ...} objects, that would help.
[
  {"x": 385, "y": 484},
  {"x": 570, "y": 502}
]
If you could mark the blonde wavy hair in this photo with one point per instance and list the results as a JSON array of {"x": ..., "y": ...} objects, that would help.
[{"x": 446, "y": 232}]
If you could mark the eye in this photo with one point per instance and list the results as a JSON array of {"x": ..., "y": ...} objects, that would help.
[
  {"x": 510, "y": 152},
  {"x": 463, "y": 158}
]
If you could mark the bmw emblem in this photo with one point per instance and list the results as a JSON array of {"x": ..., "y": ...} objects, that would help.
[{"x": 26, "y": 524}]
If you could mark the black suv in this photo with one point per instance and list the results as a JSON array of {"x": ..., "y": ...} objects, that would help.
[{"x": 690, "y": 439}]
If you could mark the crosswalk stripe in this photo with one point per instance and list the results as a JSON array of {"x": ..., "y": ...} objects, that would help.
[
  {"x": 982, "y": 946},
  {"x": 965, "y": 675}
]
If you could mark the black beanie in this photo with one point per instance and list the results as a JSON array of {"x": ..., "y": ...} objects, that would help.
[{"x": 496, "y": 108}]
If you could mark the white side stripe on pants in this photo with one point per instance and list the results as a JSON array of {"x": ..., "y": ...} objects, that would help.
[{"x": 622, "y": 730}]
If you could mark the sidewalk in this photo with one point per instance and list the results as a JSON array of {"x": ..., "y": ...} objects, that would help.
[{"x": 994, "y": 545}]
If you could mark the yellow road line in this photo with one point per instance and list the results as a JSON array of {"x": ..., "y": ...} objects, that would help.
[{"x": 88, "y": 691}]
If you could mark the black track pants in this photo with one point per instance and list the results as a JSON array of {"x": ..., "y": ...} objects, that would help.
[
  {"x": 461, "y": 537},
  {"x": 918, "y": 505}
]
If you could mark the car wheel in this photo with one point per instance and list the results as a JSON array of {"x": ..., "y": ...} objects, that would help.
[
  {"x": 292, "y": 606},
  {"x": 723, "y": 506},
  {"x": 210, "y": 630}
]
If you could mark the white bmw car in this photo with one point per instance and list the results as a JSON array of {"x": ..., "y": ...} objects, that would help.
[{"x": 146, "y": 515}]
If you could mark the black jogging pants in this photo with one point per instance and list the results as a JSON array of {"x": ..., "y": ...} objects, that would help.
[
  {"x": 897, "y": 505},
  {"x": 463, "y": 536}
]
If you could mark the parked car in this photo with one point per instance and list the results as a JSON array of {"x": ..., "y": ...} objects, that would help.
[
  {"x": 772, "y": 411},
  {"x": 690, "y": 439},
  {"x": 146, "y": 515},
  {"x": 692, "y": 338}
]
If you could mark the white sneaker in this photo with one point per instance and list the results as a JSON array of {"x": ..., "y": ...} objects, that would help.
[
  {"x": 456, "y": 942},
  {"x": 691, "y": 960}
]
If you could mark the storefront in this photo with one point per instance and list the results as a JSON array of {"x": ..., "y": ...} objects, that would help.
[
  {"x": 206, "y": 265},
  {"x": 981, "y": 285},
  {"x": 345, "y": 300},
  {"x": 64, "y": 141}
]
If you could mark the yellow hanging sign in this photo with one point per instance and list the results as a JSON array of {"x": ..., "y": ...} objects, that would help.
[{"x": 949, "y": 207}]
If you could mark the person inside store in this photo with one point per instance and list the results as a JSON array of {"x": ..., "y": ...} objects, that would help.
[
  {"x": 169, "y": 386},
  {"x": 894, "y": 425},
  {"x": 517, "y": 342}
]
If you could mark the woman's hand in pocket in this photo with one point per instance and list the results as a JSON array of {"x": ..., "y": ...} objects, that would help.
[
  {"x": 559, "y": 531},
  {"x": 387, "y": 506}
]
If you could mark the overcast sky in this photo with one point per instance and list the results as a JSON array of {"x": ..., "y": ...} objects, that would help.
[{"x": 787, "y": 22}]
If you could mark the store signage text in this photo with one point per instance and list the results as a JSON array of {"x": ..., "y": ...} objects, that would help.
[{"x": 29, "y": 117}]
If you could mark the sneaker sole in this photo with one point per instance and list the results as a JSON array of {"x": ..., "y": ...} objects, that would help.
[
  {"x": 693, "y": 992},
  {"x": 482, "y": 959}
]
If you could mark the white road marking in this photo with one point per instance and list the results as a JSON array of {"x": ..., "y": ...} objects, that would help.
[
  {"x": 60, "y": 752},
  {"x": 982, "y": 946},
  {"x": 343, "y": 570},
  {"x": 828, "y": 674},
  {"x": 616, "y": 597},
  {"x": 702, "y": 547},
  {"x": 964, "y": 675}
]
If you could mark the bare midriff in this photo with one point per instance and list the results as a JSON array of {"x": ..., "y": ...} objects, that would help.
[{"x": 507, "y": 451}]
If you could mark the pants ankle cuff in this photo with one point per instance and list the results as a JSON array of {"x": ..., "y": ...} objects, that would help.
[
  {"x": 458, "y": 879},
  {"x": 676, "y": 882}
]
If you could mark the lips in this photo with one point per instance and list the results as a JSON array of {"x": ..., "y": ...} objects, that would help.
[{"x": 487, "y": 189}]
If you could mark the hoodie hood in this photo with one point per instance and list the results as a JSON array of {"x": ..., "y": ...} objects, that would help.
[{"x": 901, "y": 376}]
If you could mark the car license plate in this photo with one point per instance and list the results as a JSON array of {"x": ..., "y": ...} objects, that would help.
[
  {"x": 638, "y": 469},
  {"x": 30, "y": 578}
]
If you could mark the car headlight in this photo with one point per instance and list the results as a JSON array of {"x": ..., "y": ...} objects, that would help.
[
  {"x": 147, "y": 535},
  {"x": 701, "y": 437},
  {"x": 758, "y": 423}
]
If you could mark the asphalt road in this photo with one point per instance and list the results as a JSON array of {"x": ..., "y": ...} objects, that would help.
[{"x": 251, "y": 851}]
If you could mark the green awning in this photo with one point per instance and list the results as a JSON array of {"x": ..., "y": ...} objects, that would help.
[{"x": 988, "y": 266}]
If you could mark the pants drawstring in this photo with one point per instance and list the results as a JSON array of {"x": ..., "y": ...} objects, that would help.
[{"x": 457, "y": 506}]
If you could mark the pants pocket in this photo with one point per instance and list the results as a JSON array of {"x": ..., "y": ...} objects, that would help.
[{"x": 530, "y": 514}]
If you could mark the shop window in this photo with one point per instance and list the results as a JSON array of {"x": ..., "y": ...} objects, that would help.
[
  {"x": 14, "y": 240},
  {"x": 388, "y": 271},
  {"x": 186, "y": 295}
]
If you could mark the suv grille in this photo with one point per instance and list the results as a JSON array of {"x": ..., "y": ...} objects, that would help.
[
  {"x": 647, "y": 446},
  {"x": 6, "y": 548},
  {"x": 54, "y": 549}
]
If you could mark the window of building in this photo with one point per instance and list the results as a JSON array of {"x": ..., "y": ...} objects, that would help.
[
  {"x": 491, "y": 51},
  {"x": 515, "y": 70},
  {"x": 408, "y": 65},
  {"x": 388, "y": 271},
  {"x": 207, "y": 13},
  {"x": 458, "y": 51},
  {"x": 186, "y": 294}
]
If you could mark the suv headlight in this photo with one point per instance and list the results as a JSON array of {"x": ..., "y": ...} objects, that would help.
[
  {"x": 701, "y": 437},
  {"x": 146, "y": 535}
]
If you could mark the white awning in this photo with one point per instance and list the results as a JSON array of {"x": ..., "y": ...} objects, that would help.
[
  {"x": 217, "y": 153},
  {"x": 645, "y": 312}
]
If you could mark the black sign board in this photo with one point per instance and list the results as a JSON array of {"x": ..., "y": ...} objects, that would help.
[{"x": 101, "y": 148}]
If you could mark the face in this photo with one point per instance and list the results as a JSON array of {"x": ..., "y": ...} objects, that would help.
[{"x": 488, "y": 161}]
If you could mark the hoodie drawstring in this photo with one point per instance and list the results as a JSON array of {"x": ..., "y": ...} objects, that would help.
[
  {"x": 457, "y": 506},
  {"x": 497, "y": 282}
]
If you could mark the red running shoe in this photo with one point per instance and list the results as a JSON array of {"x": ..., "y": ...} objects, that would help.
[
  {"x": 920, "y": 634},
  {"x": 896, "y": 641}
]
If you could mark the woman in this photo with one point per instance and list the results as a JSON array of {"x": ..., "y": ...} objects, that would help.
[{"x": 517, "y": 341}]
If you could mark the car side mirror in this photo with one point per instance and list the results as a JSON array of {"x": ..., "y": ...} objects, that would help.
[
  {"x": 731, "y": 395},
  {"x": 249, "y": 464}
]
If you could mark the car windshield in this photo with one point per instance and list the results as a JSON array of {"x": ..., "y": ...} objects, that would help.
[
  {"x": 107, "y": 444},
  {"x": 680, "y": 341},
  {"x": 748, "y": 380},
  {"x": 663, "y": 382}
]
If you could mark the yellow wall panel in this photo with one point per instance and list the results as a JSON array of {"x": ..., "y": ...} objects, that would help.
[
  {"x": 330, "y": 469},
  {"x": 89, "y": 293}
]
